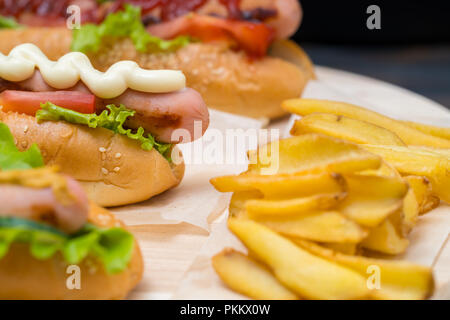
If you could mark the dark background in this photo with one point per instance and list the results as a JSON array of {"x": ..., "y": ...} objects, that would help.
[{"x": 412, "y": 48}]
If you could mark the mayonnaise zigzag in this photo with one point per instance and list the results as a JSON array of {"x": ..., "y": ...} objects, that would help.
[{"x": 22, "y": 61}]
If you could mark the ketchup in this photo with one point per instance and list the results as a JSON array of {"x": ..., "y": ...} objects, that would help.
[
  {"x": 39, "y": 7},
  {"x": 171, "y": 9},
  {"x": 45, "y": 8}
]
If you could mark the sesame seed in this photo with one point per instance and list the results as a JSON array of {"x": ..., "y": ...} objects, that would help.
[
  {"x": 101, "y": 149},
  {"x": 118, "y": 155},
  {"x": 105, "y": 171},
  {"x": 116, "y": 169},
  {"x": 218, "y": 71},
  {"x": 25, "y": 129}
]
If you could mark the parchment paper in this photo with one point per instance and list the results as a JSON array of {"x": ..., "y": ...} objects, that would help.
[
  {"x": 195, "y": 201},
  {"x": 427, "y": 243}
]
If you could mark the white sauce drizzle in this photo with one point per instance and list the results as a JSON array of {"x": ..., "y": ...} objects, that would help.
[{"x": 22, "y": 61}]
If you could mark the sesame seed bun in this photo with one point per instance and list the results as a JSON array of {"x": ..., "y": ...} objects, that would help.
[
  {"x": 227, "y": 80},
  {"x": 112, "y": 168},
  {"x": 26, "y": 278}
]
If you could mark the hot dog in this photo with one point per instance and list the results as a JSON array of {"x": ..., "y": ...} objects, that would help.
[
  {"x": 158, "y": 113},
  {"x": 226, "y": 60},
  {"x": 112, "y": 131},
  {"x": 42, "y": 205},
  {"x": 47, "y": 225},
  {"x": 283, "y": 15}
]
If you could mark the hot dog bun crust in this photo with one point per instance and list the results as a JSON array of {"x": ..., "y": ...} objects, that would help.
[
  {"x": 112, "y": 169},
  {"x": 227, "y": 80},
  {"x": 24, "y": 277}
]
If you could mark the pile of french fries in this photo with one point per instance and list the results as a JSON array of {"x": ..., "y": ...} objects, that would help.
[{"x": 346, "y": 189}]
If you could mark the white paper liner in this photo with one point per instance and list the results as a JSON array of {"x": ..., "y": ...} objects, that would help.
[{"x": 195, "y": 200}]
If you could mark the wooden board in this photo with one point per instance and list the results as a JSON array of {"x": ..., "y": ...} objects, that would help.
[{"x": 171, "y": 250}]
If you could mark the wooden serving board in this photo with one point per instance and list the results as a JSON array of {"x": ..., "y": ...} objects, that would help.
[{"x": 175, "y": 253}]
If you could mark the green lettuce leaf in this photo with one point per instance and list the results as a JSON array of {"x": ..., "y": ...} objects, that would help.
[
  {"x": 8, "y": 23},
  {"x": 111, "y": 119},
  {"x": 126, "y": 23},
  {"x": 113, "y": 247},
  {"x": 11, "y": 158}
]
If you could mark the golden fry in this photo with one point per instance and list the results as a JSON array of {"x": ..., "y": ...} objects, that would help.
[
  {"x": 385, "y": 170},
  {"x": 292, "y": 207},
  {"x": 410, "y": 161},
  {"x": 304, "y": 273},
  {"x": 423, "y": 193},
  {"x": 398, "y": 279},
  {"x": 411, "y": 211},
  {"x": 322, "y": 226},
  {"x": 429, "y": 129},
  {"x": 371, "y": 199},
  {"x": 239, "y": 199},
  {"x": 282, "y": 186},
  {"x": 249, "y": 277},
  {"x": 345, "y": 248},
  {"x": 406, "y": 133},
  {"x": 443, "y": 152},
  {"x": 311, "y": 152},
  {"x": 386, "y": 239},
  {"x": 345, "y": 128}
]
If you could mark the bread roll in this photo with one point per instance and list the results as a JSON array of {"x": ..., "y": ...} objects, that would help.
[
  {"x": 112, "y": 168},
  {"x": 227, "y": 80},
  {"x": 24, "y": 277},
  {"x": 54, "y": 42}
]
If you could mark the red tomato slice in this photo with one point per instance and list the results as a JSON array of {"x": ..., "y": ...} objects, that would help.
[
  {"x": 254, "y": 38},
  {"x": 29, "y": 102}
]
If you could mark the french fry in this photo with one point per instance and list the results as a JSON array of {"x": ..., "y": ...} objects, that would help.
[
  {"x": 411, "y": 211},
  {"x": 386, "y": 239},
  {"x": 322, "y": 226},
  {"x": 345, "y": 248},
  {"x": 311, "y": 152},
  {"x": 249, "y": 277},
  {"x": 282, "y": 186},
  {"x": 423, "y": 193},
  {"x": 429, "y": 129},
  {"x": 418, "y": 162},
  {"x": 418, "y": 200},
  {"x": 345, "y": 128},
  {"x": 371, "y": 199},
  {"x": 292, "y": 207},
  {"x": 398, "y": 279},
  {"x": 385, "y": 170},
  {"x": 302, "y": 272},
  {"x": 239, "y": 199},
  {"x": 445, "y": 152},
  {"x": 406, "y": 133}
]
